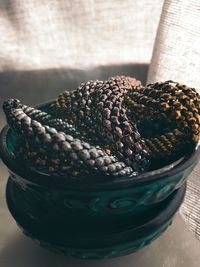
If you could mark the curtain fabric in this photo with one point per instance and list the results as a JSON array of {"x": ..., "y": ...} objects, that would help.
[
  {"x": 76, "y": 34},
  {"x": 176, "y": 56}
]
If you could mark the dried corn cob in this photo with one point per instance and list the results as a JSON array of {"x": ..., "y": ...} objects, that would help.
[
  {"x": 172, "y": 102},
  {"x": 47, "y": 149},
  {"x": 97, "y": 107},
  {"x": 95, "y": 128}
]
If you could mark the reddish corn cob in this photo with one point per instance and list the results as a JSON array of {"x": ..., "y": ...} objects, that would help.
[{"x": 98, "y": 107}]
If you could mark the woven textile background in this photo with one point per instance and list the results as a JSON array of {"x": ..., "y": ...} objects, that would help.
[
  {"x": 176, "y": 53},
  {"x": 76, "y": 34}
]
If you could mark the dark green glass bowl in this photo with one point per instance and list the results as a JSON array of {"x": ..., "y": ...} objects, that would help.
[
  {"x": 94, "y": 242},
  {"x": 47, "y": 196}
]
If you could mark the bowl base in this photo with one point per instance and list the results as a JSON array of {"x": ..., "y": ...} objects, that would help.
[{"x": 93, "y": 245}]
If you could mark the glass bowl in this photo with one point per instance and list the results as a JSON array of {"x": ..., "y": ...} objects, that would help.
[
  {"x": 100, "y": 202},
  {"x": 76, "y": 240}
]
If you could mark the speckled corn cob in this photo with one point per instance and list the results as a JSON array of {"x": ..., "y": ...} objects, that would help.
[
  {"x": 45, "y": 148},
  {"x": 77, "y": 106},
  {"x": 170, "y": 101}
]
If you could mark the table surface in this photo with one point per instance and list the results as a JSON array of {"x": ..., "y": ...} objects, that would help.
[{"x": 177, "y": 247}]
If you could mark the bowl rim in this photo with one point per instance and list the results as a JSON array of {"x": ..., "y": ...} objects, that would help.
[{"x": 43, "y": 179}]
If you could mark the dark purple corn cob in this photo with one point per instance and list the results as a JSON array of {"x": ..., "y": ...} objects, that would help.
[
  {"x": 46, "y": 149},
  {"x": 115, "y": 126},
  {"x": 98, "y": 107}
]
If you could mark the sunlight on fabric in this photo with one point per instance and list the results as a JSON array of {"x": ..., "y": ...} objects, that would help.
[
  {"x": 177, "y": 51},
  {"x": 46, "y": 34}
]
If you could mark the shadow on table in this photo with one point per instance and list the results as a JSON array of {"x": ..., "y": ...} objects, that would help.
[
  {"x": 175, "y": 248},
  {"x": 23, "y": 252},
  {"x": 34, "y": 87}
]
